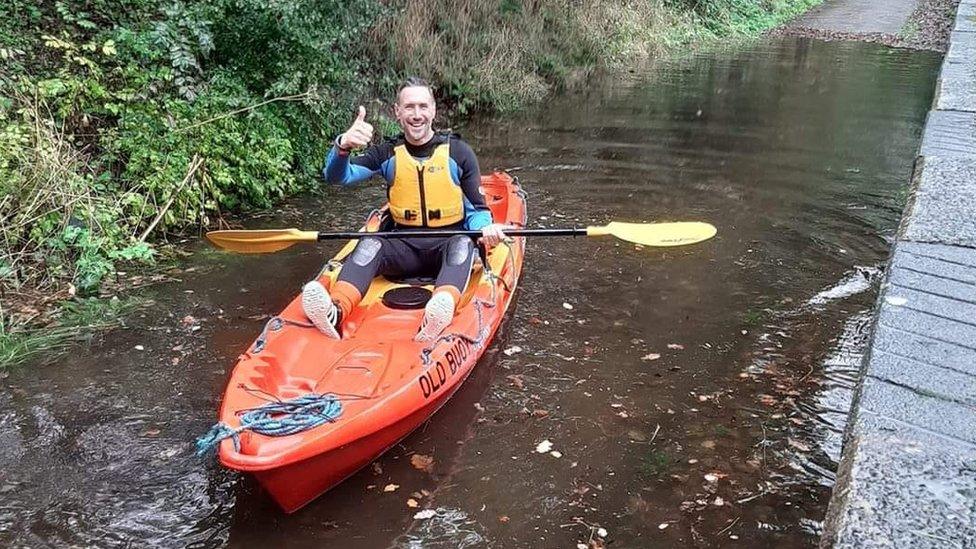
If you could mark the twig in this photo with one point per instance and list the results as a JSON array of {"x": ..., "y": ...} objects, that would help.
[
  {"x": 807, "y": 374},
  {"x": 298, "y": 97},
  {"x": 194, "y": 164},
  {"x": 752, "y": 497},
  {"x": 933, "y": 536},
  {"x": 727, "y": 527},
  {"x": 656, "y": 429}
]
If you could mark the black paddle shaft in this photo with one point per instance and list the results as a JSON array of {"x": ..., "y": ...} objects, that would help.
[{"x": 445, "y": 233}]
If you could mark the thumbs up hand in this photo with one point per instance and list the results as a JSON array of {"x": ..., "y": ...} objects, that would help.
[{"x": 359, "y": 134}]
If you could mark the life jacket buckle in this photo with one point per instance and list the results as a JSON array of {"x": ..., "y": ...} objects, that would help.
[
  {"x": 433, "y": 214},
  {"x": 409, "y": 215}
]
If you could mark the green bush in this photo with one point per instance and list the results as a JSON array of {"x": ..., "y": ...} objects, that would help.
[{"x": 126, "y": 94}]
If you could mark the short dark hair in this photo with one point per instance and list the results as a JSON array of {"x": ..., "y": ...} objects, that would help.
[{"x": 414, "y": 82}]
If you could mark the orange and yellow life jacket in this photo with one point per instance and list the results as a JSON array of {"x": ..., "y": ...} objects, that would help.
[{"x": 423, "y": 194}]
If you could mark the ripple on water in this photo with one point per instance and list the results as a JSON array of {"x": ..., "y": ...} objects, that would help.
[{"x": 447, "y": 529}]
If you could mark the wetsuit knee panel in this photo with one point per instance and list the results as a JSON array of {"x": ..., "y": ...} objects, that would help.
[
  {"x": 366, "y": 251},
  {"x": 459, "y": 250}
]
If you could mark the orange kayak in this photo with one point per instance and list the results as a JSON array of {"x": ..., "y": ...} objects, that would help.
[{"x": 387, "y": 383}]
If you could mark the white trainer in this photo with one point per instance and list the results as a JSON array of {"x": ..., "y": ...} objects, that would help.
[
  {"x": 320, "y": 309},
  {"x": 437, "y": 315}
]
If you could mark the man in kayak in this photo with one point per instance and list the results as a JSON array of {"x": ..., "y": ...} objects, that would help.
[{"x": 432, "y": 182}]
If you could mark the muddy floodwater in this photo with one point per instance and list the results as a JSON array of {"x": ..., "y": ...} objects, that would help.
[{"x": 693, "y": 396}]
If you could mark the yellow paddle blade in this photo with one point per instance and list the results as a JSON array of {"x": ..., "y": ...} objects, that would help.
[
  {"x": 656, "y": 234},
  {"x": 260, "y": 242}
]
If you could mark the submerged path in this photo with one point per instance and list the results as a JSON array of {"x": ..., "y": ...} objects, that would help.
[
  {"x": 908, "y": 474},
  {"x": 859, "y": 16}
]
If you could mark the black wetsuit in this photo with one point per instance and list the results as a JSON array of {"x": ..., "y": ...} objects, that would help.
[{"x": 447, "y": 259}]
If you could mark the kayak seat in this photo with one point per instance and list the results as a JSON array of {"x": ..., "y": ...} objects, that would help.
[{"x": 406, "y": 297}]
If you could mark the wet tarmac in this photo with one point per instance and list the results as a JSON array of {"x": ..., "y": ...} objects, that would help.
[{"x": 695, "y": 395}]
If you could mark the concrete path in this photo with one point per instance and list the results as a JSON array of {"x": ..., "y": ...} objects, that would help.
[
  {"x": 907, "y": 477},
  {"x": 858, "y": 16}
]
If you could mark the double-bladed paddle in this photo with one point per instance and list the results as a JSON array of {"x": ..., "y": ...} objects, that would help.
[{"x": 645, "y": 234}]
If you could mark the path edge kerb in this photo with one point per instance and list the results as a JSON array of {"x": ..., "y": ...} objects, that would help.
[{"x": 907, "y": 475}]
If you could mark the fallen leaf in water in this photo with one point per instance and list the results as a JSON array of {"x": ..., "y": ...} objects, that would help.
[
  {"x": 662, "y": 526},
  {"x": 710, "y": 477},
  {"x": 175, "y": 360},
  {"x": 151, "y": 432},
  {"x": 544, "y": 447},
  {"x": 651, "y": 356},
  {"x": 623, "y": 414},
  {"x": 516, "y": 380},
  {"x": 799, "y": 445},
  {"x": 512, "y": 350},
  {"x": 140, "y": 348},
  {"x": 567, "y": 306},
  {"x": 602, "y": 532},
  {"x": 718, "y": 502},
  {"x": 503, "y": 518},
  {"x": 391, "y": 487},
  {"x": 540, "y": 413},
  {"x": 189, "y": 320},
  {"x": 412, "y": 503},
  {"x": 710, "y": 444},
  {"x": 676, "y": 346},
  {"x": 425, "y": 514},
  {"x": 556, "y": 454},
  {"x": 422, "y": 462}
]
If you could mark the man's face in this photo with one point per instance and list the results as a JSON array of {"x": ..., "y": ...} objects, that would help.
[{"x": 415, "y": 112}]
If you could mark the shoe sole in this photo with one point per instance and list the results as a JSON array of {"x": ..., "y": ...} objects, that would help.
[
  {"x": 317, "y": 303},
  {"x": 440, "y": 317}
]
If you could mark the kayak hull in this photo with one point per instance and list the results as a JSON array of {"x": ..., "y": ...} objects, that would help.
[
  {"x": 296, "y": 485},
  {"x": 387, "y": 383}
]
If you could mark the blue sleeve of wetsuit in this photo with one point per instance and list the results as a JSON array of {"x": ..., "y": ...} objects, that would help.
[
  {"x": 344, "y": 169},
  {"x": 467, "y": 173}
]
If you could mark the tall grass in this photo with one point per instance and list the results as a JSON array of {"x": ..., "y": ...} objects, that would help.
[{"x": 75, "y": 321}]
